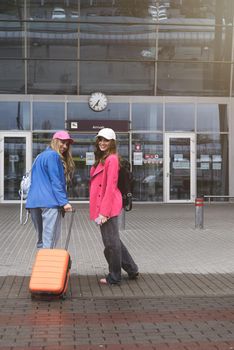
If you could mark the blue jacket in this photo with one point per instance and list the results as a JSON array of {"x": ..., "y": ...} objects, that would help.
[{"x": 48, "y": 184}]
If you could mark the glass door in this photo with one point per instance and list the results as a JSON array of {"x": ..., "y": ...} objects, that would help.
[
  {"x": 15, "y": 160},
  {"x": 180, "y": 168}
]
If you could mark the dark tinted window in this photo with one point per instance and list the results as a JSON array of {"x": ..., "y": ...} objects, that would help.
[
  {"x": 212, "y": 117},
  {"x": 147, "y": 116},
  {"x": 48, "y": 116},
  {"x": 179, "y": 117},
  {"x": 14, "y": 115}
]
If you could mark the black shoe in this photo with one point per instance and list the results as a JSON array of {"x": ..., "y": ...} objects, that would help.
[
  {"x": 133, "y": 275},
  {"x": 39, "y": 244}
]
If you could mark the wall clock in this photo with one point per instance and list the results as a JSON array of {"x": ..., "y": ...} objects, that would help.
[{"x": 98, "y": 101}]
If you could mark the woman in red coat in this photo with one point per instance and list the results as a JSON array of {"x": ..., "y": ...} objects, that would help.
[{"x": 106, "y": 206}]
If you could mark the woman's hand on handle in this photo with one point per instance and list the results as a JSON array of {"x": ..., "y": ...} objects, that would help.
[{"x": 67, "y": 207}]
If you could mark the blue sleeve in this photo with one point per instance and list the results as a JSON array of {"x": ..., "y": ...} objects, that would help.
[{"x": 57, "y": 178}]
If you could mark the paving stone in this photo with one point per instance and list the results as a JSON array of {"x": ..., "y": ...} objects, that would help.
[{"x": 183, "y": 299}]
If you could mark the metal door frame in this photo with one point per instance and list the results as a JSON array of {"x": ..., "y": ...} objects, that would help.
[
  {"x": 3, "y": 135},
  {"x": 166, "y": 180}
]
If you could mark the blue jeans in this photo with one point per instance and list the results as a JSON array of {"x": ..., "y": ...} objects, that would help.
[
  {"x": 47, "y": 222},
  {"x": 116, "y": 254}
]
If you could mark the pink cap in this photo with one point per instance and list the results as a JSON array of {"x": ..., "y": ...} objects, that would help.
[{"x": 63, "y": 135}]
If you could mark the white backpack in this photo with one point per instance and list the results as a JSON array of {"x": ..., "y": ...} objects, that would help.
[
  {"x": 25, "y": 185},
  {"x": 23, "y": 193}
]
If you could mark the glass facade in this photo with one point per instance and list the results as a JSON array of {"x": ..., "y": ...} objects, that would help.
[
  {"x": 162, "y": 65},
  {"x": 148, "y": 123},
  {"x": 131, "y": 47}
]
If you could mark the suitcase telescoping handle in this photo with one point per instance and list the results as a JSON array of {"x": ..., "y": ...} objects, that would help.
[{"x": 72, "y": 212}]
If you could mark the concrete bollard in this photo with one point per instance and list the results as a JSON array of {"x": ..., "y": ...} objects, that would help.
[{"x": 199, "y": 213}]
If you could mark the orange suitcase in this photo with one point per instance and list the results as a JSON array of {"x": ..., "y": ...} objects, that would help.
[{"x": 51, "y": 271}]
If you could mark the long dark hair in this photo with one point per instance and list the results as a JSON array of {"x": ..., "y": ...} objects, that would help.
[{"x": 101, "y": 156}]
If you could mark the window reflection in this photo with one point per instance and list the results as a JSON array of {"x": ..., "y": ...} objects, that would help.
[
  {"x": 179, "y": 117},
  {"x": 106, "y": 41},
  {"x": 12, "y": 10},
  {"x": 148, "y": 176},
  {"x": 80, "y": 111},
  {"x": 156, "y": 11},
  {"x": 194, "y": 43},
  {"x": 208, "y": 79},
  {"x": 203, "y": 9},
  {"x": 14, "y": 116},
  {"x": 40, "y": 142},
  {"x": 212, "y": 164},
  {"x": 12, "y": 40},
  {"x": 52, "y": 40},
  {"x": 232, "y": 80},
  {"x": 212, "y": 117},
  {"x": 159, "y": 11},
  {"x": 14, "y": 166},
  {"x": 180, "y": 165},
  {"x": 12, "y": 77},
  {"x": 59, "y": 11},
  {"x": 134, "y": 34},
  {"x": 48, "y": 116},
  {"x": 116, "y": 8},
  {"x": 52, "y": 77},
  {"x": 147, "y": 116},
  {"x": 123, "y": 78}
]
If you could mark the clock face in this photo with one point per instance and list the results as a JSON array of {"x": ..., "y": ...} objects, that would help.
[{"x": 98, "y": 101}]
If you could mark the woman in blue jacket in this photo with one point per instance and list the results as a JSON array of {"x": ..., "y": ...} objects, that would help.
[{"x": 51, "y": 171}]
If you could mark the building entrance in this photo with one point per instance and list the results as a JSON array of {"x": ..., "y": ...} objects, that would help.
[
  {"x": 179, "y": 167},
  {"x": 15, "y": 160}
]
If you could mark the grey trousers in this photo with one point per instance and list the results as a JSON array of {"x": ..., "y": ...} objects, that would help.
[{"x": 116, "y": 254}]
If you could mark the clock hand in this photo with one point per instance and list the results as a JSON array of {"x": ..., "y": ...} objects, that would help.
[{"x": 96, "y": 103}]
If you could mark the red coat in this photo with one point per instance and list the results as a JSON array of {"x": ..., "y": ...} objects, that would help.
[{"x": 105, "y": 197}]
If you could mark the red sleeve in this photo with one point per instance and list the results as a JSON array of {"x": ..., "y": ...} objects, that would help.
[{"x": 112, "y": 172}]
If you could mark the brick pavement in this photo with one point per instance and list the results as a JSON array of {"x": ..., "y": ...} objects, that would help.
[
  {"x": 183, "y": 300},
  {"x": 177, "y": 323},
  {"x": 173, "y": 257}
]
